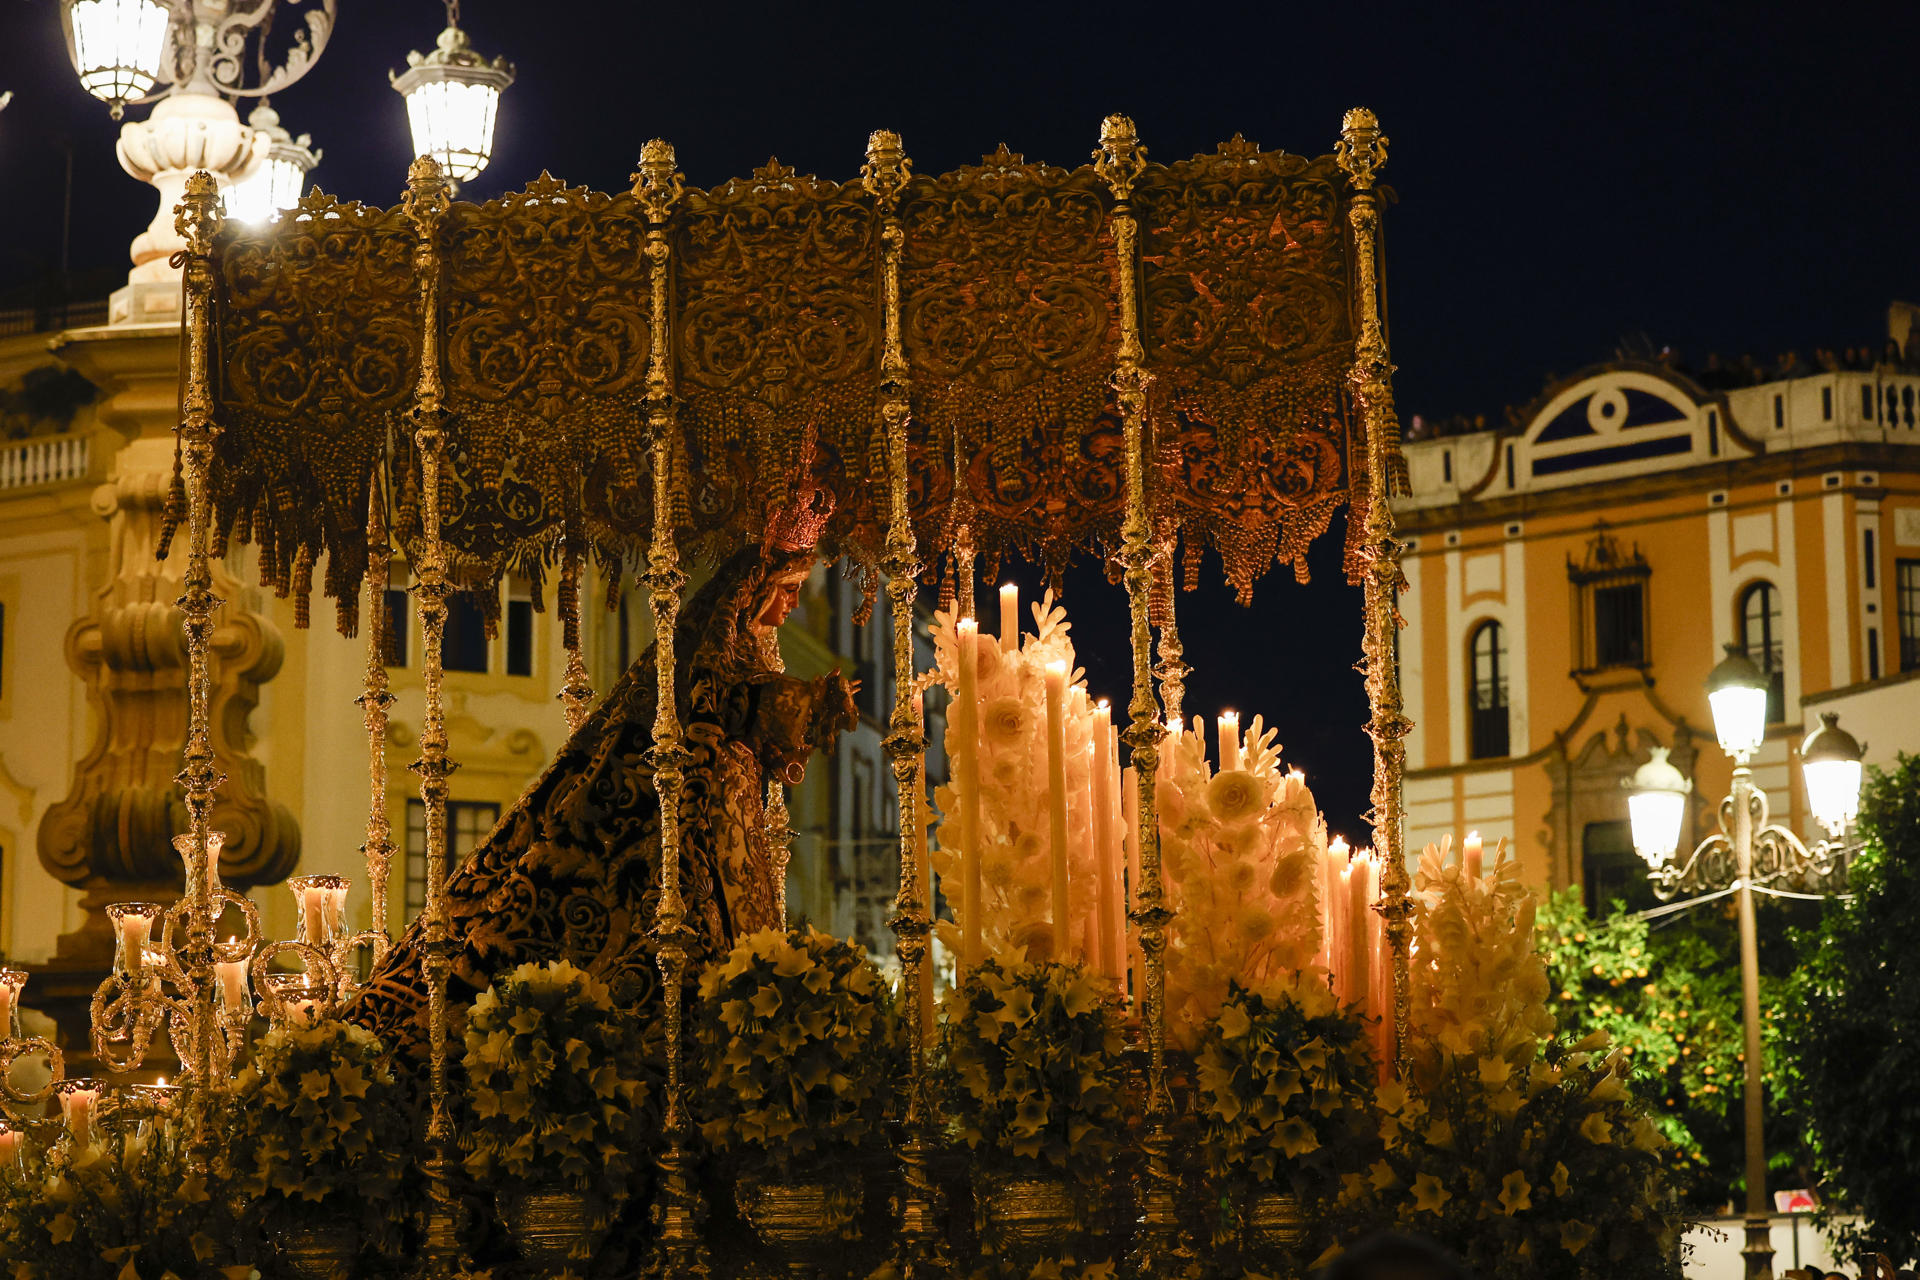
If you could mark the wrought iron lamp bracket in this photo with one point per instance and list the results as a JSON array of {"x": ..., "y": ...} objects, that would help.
[{"x": 1779, "y": 857}]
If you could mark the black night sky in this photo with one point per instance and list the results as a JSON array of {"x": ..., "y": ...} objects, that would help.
[{"x": 1713, "y": 178}]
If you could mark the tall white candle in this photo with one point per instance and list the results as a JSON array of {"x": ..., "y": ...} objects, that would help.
[
  {"x": 1009, "y": 616},
  {"x": 232, "y": 976},
  {"x": 10, "y": 1139},
  {"x": 1358, "y": 901},
  {"x": 966, "y": 774},
  {"x": 922, "y": 811},
  {"x": 1057, "y": 800},
  {"x": 11, "y": 980},
  {"x": 1106, "y": 853},
  {"x": 76, "y": 1108},
  {"x": 1472, "y": 854},
  {"x": 1229, "y": 740}
]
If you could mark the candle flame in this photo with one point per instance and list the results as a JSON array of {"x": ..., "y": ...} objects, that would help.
[
  {"x": 1057, "y": 667},
  {"x": 1007, "y": 588},
  {"x": 967, "y": 624},
  {"x": 1104, "y": 705},
  {"x": 1338, "y": 845}
]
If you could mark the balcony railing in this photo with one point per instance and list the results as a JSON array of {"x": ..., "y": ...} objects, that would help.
[
  {"x": 46, "y": 460},
  {"x": 67, "y": 315}
]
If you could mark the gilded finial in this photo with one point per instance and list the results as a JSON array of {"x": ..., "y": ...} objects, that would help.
[
  {"x": 428, "y": 191},
  {"x": 657, "y": 183},
  {"x": 1362, "y": 148},
  {"x": 887, "y": 168},
  {"x": 1119, "y": 158},
  {"x": 197, "y": 216}
]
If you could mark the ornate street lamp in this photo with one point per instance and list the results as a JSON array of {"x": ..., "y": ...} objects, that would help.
[
  {"x": 277, "y": 183},
  {"x": 192, "y": 58},
  {"x": 452, "y": 96},
  {"x": 117, "y": 46},
  {"x": 1748, "y": 853}
]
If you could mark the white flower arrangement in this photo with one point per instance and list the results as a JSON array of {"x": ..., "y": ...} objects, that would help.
[{"x": 1244, "y": 854}]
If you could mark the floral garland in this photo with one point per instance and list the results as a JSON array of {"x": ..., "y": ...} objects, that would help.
[
  {"x": 1026, "y": 1069},
  {"x": 1524, "y": 1154},
  {"x": 802, "y": 1048},
  {"x": 318, "y": 1119},
  {"x": 558, "y": 1084}
]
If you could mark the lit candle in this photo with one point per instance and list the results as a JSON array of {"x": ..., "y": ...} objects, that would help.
[
  {"x": 1010, "y": 617},
  {"x": 10, "y": 1139},
  {"x": 966, "y": 770},
  {"x": 333, "y": 909},
  {"x": 1057, "y": 800},
  {"x": 232, "y": 976},
  {"x": 76, "y": 1108},
  {"x": 1229, "y": 740},
  {"x": 1472, "y": 853},
  {"x": 11, "y": 981},
  {"x": 1130, "y": 827},
  {"x": 1106, "y": 855},
  {"x": 310, "y": 892}
]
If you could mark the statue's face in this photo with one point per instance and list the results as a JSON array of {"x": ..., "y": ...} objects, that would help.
[{"x": 782, "y": 594}]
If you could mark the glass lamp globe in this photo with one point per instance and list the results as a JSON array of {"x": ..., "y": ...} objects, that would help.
[
  {"x": 117, "y": 46},
  {"x": 452, "y": 95},
  {"x": 1737, "y": 693},
  {"x": 1830, "y": 763},
  {"x": 277, "y": 183},
  {"x": 1656, "y": 807}
]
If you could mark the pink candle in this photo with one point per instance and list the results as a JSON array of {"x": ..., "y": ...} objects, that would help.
[
  {"x": 1057, "y": 801},
  {"x": 1106, "y": 854},
  {"x": 1471, "y": 855},
  {"x": 1010, "y": 617},
  {"x": 1229, "y": 740},
  {"x": 966, "y": 775},
  {"x": 10, "y": 1139}
]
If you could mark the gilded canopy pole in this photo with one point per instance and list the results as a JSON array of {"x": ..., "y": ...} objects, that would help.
[
  {"x": 576, "y": 690},
  {"x": 1361, "y": 151},
  {"x": 1120, "y": 159},
  {"x": 197, "y": 219},
  {"x": 885, "y": 176},
  {"x": 1173, "y": 668},
  {"x": 962, "y": 522},
  {"x": 426, "y": 204},
  {"x": 374, "y": 705},
  {"x": 656, "y": 188}
]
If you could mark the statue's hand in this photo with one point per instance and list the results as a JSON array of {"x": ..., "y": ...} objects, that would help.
[{"x": 836, "y": 712}]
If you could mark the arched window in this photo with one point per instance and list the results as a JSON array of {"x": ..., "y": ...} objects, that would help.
[
  {"x": 1765, "y": 643},
  {"x": 1487, "y": 694}
]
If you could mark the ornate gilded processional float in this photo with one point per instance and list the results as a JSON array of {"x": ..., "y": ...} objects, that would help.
[{"x": 1132, "y": 359}]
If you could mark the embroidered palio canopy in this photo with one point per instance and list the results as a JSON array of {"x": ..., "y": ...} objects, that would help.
[{"x": 1009, "y": 296}]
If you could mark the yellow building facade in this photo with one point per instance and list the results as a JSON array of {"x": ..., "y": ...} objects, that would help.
[{"x": 1571, "y": 583}]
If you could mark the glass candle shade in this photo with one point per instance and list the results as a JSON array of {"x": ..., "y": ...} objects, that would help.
[
  {"x": 300, "y": 998},
  {"x": 133, "y": 928},
  {"x": 322, "y": 902},
  {"x": 183, "y": 845},
  {"x": 232, "y": 977},
  {"x": 78, "y": 1098}
]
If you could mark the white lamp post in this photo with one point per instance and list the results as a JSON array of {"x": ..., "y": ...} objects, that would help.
[
  {"x": 452, "y": 96},
  {"x": 276, "y": 184},
  {"x": 1747, "y": 851},
  {"x": 205, "y": 53}
]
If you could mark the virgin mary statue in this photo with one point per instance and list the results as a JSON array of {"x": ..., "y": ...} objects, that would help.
[{"x": 572, "y": 871}]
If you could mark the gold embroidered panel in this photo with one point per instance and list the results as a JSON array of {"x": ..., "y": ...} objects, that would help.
[{"x": 1010, "y": 318}]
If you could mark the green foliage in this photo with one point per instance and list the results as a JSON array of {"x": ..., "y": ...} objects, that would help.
[
  {"x": 557, "y": 1083},
  {"x": 1547, "y": 1172},
  {"x": 125, "y": 1207},
  {"x": 1848, "y": 1036},
  {"x": 1285, "y": 1090},
  {"x": 1027, "y": 1062},
  {"x": 1670, "y": 1000},
  {"x": 319, "y": 1126},
  {"x": 802, "y": 1047}
]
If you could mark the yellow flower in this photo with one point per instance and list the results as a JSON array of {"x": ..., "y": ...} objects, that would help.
[
  {"x": 1382, "y": 1176},
  {"x": 1646, "y": 1135},
  {"x": 1004, "y": 721},
  {"x": 1575, "y": 1236},
  {"x": 1234, "y": 1021},
  {"x": 1596, "y": 1130},
  {"x": 1440, "y": 1135},
  {"x": 1428, "y": 1194},
  {"x": 1234, "y": 794},
  {"x": 1610, "y": 1089},
  {"x": 1560, "y": 1177},
  {"x": 1494, "y": 1072},
  {"x": 1391, "y": 1096},
  {"x": 1296, "y": 1137},
  {"x": 1516, "y": 1194}
]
